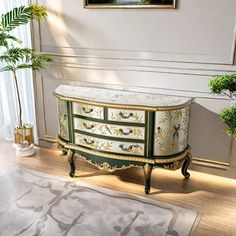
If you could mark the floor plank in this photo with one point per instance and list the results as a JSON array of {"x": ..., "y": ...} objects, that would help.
[{"x": 213, "y": 196}]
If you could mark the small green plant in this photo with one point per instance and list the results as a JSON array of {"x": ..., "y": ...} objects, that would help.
[
  {"x": 226, "y": 85},
  {"x": 15, "y": 56}
]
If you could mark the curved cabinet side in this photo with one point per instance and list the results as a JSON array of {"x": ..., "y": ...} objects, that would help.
[
  {"x": 171, "y": 131},
  {"x": 63, "y": 119}
]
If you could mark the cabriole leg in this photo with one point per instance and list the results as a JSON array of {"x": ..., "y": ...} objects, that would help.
[
  {"x": 147, "y": 170},
  {"x": 70, "y": 157},
  {"x": 185, "y": 165}
]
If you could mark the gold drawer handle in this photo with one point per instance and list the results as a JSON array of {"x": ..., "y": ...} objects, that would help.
[
  {"x": 125, "y": 116},
  {"x": 125, "y": 133},
  {"x": 89, "y": 142},
  {"x": 87, "y": 111},
  {"x": 86, "y": 126},
  {"x": 129, "y": 148}
]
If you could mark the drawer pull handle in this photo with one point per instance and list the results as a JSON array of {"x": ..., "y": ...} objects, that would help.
[
  {"x": 87, "y": 111},
  {"x": 125, "y": 116},
  {"x": 129, "y": 148},
  {"x": 86, "y": 126},
  {"x": 89, "y": 142},
  {"x": 125, "y": 133}
]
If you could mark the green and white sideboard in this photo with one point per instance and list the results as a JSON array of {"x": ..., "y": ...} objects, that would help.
[{"x": 116, "y": 129}]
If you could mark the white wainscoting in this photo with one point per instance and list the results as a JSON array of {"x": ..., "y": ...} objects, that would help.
[{"x": 172, "y": 52}]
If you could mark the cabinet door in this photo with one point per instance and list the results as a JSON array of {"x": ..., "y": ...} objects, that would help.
[
  {"x": 63, "y": 119},
  {"x": 171, "y": 131}
]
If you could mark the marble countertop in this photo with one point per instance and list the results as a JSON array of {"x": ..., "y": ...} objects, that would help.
[{"x": 121, "y": 97}]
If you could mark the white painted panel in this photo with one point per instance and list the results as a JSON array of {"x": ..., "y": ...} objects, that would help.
[
  {"x": 196, "y": 31},
  {"x": 130, "y": 78},
  {"x": 77, "y": 60},
  {"x": 50, "y": 107},
  {"x": 171, "y": 131},
  {"x": 159, "y": 51},
  {"x": 207, "y": 136}
]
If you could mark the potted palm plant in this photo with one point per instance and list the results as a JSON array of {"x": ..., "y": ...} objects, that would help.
[
  {"x": 16, "y": 57},
  {"x": 226, "y": 85}
]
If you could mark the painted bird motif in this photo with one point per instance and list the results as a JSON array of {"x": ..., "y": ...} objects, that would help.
[{"x": 176, "y": 131}]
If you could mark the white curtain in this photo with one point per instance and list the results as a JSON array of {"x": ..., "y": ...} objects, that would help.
[{"x": 8, "y": 105}]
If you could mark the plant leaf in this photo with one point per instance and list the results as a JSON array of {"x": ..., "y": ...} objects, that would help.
[
  {"x": 5, "y": 37},
  {"x": 21, "y": 16},
  {"x": 38, "y": 60},
  {"x": 7, "y": 68},
  {"x": 16, "y": 17},
  {"x": 24, "y": 66}
]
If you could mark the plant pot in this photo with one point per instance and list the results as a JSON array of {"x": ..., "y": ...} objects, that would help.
[
  {"x": 25, "y": 151},
  {"x": 24, "y": 136}
]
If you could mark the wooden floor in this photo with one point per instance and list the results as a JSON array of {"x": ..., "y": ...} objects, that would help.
[{"x": 213, "y": 196}]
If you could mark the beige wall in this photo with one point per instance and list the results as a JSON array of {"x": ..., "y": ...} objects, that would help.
[{"x": 160, "y": 51}]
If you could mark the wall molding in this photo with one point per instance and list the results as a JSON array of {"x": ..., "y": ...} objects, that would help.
[
  {"x": 80, "y": 60},
  {"x": 156, "y": 69},
  {"x": 167, "y": 65},
  {"x": 159, "y": 90},
  {"x": 124, "y": 54},
  {"x": 233, "y": 51}
]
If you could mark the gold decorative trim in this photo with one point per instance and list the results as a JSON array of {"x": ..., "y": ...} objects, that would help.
[
  {"x": 105, "y": 166},
  {"x": 173, "y": 166},
  {"x": 125, "y": 158},
  {"x": 131, "y": 107},
  {"x": 154, "y": 6}
]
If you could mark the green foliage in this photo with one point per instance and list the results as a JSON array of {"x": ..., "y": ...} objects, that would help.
[
  {"x": 37, "y": 12},
  {"x": 228, "y": 116},
  {"x": 12, "y": 19},
  {"x": 4, "y": 37},
  {"x": 21, "y": 16},
  {"x": 223, "y": 83},
  {"x": 226, "y": 85},
  {"x": 23, "y": 58},
  {"x": 16, "y": 57}
]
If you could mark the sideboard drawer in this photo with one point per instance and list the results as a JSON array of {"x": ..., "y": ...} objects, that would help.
[
  {"x": 131, "y": 116},
  {"x": 110, "y": 145},
  {"x": 110, "y": 130},
  {"x": 88, "y": 110}
]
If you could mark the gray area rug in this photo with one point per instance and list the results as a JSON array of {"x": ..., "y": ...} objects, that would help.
[{"x": 34, "y": 203}]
